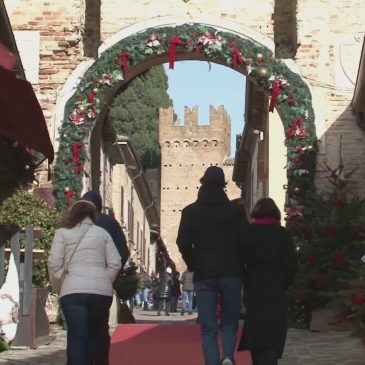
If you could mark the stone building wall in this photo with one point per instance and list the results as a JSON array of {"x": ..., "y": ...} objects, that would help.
[
  {"x": 187, "y": 150},
  {"x": 329, "y": 40},
  {"x": 124, "y": 198}
]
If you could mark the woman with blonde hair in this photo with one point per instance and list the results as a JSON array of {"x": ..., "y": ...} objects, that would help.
[{"x": 83, "y": 263}]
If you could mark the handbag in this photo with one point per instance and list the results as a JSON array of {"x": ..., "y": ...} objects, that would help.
[
  {"x": 126, "y": 284},
  {"x": 56, "y": 286}
]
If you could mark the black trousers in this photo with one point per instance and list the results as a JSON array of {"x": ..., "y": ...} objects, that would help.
[
  {"x": 264, "y": 357},
  {"x": 163, "y": 302}
]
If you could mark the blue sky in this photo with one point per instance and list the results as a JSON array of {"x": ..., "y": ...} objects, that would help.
[{"x": 200, "y": 83}]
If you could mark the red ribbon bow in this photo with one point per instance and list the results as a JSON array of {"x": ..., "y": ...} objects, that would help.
[
  {"x": 277, "y": 85},
  {"x": 76, "y": 148},
  {"x": 91, "y": 98},
  {"x": 237, "y": 56},
  {"x": 175, "y": 41},
  {"x": 123, "y": 56},
  {"x": 69, "y": 196}
]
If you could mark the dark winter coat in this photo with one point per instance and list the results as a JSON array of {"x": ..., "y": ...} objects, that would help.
[
  {"x": 270, "y": 269},
  {"x": 112, "y": 226},
  {"x": 210, "y": 236},
  {"x": 175, "y": 287},
  {"x": 164, "y": 286}
]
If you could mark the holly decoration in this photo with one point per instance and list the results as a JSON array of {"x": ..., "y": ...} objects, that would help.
[{"x": 288, "y": 93}]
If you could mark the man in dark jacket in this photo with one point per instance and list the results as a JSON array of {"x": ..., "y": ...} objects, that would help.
[
  {"x": 110, "y": 224},
  {"x": 210, "y": 239}
]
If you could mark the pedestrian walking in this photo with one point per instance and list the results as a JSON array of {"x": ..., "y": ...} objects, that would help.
[
  {"x": 188, "y": 292},
  {"x": 175, "y": 291},
  {"x": 164, "y": 291},
  {"x": 154, "y": 290},
  {"x": 83, "y": 263},
  {"x": 270, "y": 268},
  {"x": 112, "y": 226},
  {"x": 210, "y": 239},
  {"x": 147, "y": 285}
]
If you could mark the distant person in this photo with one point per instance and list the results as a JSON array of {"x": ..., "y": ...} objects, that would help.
[
  {"x": 175, "y": 291},
  {"x": 92, "y": 263},
  {"x": 154, "y": 290},
  {"x": 188, "y": 292},
  {"x": 147, "y": 285},
  {"x": 210, "y": 239},
  {"x": 164, "y": 291},
  {"x": 134, "y": 282},
  {"x": 270, "y": 267},
  {"x": 139, "y": 292}
]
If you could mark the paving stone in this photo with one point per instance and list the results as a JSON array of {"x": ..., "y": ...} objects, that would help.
[{"x": 303, "y": 347}]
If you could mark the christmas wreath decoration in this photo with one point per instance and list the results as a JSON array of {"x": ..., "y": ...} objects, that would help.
[{"x": 288, "y": 93}]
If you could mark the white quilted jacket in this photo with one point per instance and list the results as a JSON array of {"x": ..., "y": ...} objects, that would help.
[{"x": 93, "y": 267}]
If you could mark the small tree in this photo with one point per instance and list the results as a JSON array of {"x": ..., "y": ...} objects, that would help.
[
  {"x": 24, "y": 208},
  {"x": 135, "y": 113},
  {"x": 330, "y": 234}
]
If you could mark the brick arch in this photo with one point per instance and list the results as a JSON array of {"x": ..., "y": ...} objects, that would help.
[{"x": 134, "y": 54}]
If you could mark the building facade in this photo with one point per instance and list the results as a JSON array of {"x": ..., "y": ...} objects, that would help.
[{"x": 133, "y": 206}]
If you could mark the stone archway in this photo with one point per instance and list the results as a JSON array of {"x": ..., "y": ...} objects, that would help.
[{"x": 85, "y": 111}]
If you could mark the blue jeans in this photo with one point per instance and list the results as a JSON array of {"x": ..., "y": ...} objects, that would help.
[
  {"x": 173, "y": 303},
  {"x": 137, "y": 297},
  {"x": 88, "y": 339},
  {"x": 145, "y": 295},
  {"x": 207, "y": 291},
  {"x": 187, "y": 301}
]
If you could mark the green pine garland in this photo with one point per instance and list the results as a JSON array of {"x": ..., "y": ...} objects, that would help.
[{"x": 254, "y": 60}]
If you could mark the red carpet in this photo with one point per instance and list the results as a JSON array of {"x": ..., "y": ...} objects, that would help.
[{"x": 160, "y": 344}]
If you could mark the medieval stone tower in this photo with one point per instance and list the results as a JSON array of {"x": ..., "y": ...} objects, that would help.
[{"x": 186, "y": 151}]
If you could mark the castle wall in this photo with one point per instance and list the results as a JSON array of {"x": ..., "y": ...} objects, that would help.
[{"x": 187, "y": 150}]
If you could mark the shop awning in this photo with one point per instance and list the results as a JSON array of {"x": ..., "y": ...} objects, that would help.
[{"x": 21, "y": 117}]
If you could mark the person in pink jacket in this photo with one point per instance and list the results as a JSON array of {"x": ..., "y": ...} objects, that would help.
[{"x": 92, "y": 263}]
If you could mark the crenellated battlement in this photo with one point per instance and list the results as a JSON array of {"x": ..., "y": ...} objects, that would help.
[{"x": 190, "y": 133}]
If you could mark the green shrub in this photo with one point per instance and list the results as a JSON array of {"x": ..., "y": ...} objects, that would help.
[{"x": 24, "y": 208}]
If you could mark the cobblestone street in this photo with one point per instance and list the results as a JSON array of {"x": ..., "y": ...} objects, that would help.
[{"x": 303, "y": 347}]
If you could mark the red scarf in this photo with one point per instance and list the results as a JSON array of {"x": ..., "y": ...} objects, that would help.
[{"x": 265, "y": 220}]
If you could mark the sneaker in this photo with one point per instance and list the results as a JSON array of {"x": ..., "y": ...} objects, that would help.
[
  {"x": 182, "y": 313},
  {"x": 190, "y": 313},
  {"x": 227, "y": 361}
]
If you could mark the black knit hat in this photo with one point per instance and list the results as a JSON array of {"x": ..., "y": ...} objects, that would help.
[
  {"x": 93, "y": 197},
  {"x": 213, "y": 175}
]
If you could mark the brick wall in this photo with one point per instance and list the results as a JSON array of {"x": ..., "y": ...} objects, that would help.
[{"x": 330, "y": 35}]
